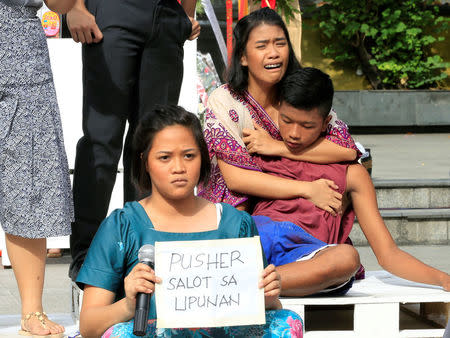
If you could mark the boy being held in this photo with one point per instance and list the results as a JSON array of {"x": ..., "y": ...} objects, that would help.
[{"x": 286, "y": 225}]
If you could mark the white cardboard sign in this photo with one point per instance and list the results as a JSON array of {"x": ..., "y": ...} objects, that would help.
[{"x": 209, "y": 283}]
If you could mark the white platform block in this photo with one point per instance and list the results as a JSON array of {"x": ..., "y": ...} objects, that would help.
[
  {"x": 376, "y": 301},
  {"x": 386, "y": 323}
]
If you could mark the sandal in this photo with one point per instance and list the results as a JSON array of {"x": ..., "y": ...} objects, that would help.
[{"x": 42, "y": 317}]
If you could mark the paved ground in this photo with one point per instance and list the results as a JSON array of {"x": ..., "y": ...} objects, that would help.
[
  {"x": 414, "y": 156},
  {"x": 57, "y": 294}
]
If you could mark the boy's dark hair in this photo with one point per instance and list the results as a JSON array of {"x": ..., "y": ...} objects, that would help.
[
  {"x": 155, "y": 121},
  {"x": 237, "y": 75},
  {"x": 308, "y": 88}
]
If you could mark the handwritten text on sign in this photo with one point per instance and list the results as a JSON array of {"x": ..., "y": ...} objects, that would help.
[{"x": 209, "y": 283}]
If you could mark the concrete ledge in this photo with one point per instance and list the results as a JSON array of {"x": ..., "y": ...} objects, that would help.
[
  {"x": 411, "y": 183},
  {"x": 393, "y": 107},
  {"x": 413, "y": 194},
  {"x": 443, "y": 213},
  {"x": 412, "y": 227}
]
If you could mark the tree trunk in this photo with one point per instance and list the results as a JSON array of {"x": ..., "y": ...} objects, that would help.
[{"x": 371, "y": 71}]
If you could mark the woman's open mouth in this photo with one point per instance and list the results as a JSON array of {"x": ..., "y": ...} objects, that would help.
[{"x": 273, "y": 66}]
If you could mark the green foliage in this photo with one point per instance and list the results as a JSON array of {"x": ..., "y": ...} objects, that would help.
[
  {"x": 389, "y": 39},
  {"x": 199, "y": 8},
  {"x": 286, "y": 10}
]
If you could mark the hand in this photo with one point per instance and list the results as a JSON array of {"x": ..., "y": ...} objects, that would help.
[
  {"x": 82, "y": 26},
  {"x": 140, "y": 279},
  {"x": 323, "y": 195},
  {"x": 271, "y": 282},
  {"x": 195, "y": 29},
  {"x": 260, "y": 142}
]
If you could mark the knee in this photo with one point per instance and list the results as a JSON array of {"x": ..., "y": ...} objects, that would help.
[
  {"x": 346, "y": 260},
  {"x": 350, "y": 258}
]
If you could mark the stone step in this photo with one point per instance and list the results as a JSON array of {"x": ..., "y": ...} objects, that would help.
[
  {"x": 412, "y": 226},
  {"x": 422, "y": 194}
]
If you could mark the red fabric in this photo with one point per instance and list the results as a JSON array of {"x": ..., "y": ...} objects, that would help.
[
  {"x": 229, "y": 9},
  {"x": 243, "y": 8},
  {"x": 268, "y": 3},
  {"x": 319, "y": 223}
]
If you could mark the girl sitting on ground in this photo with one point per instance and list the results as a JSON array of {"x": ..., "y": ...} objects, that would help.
[
  {"x": 262, "y": 56},
  {"x": 170, "y": 158}
]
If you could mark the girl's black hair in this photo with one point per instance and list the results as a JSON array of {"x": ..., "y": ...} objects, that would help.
[
  {"x": 155, "y": 121},
  {"x": 237, "y": 75}
]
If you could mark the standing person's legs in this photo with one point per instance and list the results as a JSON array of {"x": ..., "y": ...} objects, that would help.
[
  {"x": 161, "y": 73},
  {"x": 28, "y": 262},
  {"x": 110, "y": 74}
]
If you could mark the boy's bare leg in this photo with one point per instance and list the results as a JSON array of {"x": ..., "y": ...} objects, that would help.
[{"x": 331, "y": 266}]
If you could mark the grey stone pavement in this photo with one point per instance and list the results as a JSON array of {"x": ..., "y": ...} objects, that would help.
[
  {"x": 408, "y": 156},
  {"x": 414, "y": 156}
]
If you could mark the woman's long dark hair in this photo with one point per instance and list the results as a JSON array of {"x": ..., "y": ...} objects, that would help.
[{"x": 237, "y": 75}]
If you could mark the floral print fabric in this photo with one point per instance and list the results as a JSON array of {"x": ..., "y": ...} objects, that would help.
[{"x": 279, "y": 323}]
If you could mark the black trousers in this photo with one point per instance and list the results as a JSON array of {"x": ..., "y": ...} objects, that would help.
[{"x": 139, "y": 63}]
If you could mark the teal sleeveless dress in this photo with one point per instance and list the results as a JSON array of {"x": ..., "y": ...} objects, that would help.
[{"x": 114, "y": 252}]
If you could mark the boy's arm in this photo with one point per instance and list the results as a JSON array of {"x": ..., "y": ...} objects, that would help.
[
  {"x": 389, "y": 256},
  {"x": 259, "y": 184},
  {"x": 82, "y": 25},
  {"x": 189, "y": 8},
  {"x": 322, "y": 151}
]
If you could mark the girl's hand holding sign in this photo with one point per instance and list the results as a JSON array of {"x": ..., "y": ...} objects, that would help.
[{"x": 271, "y": 282}]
